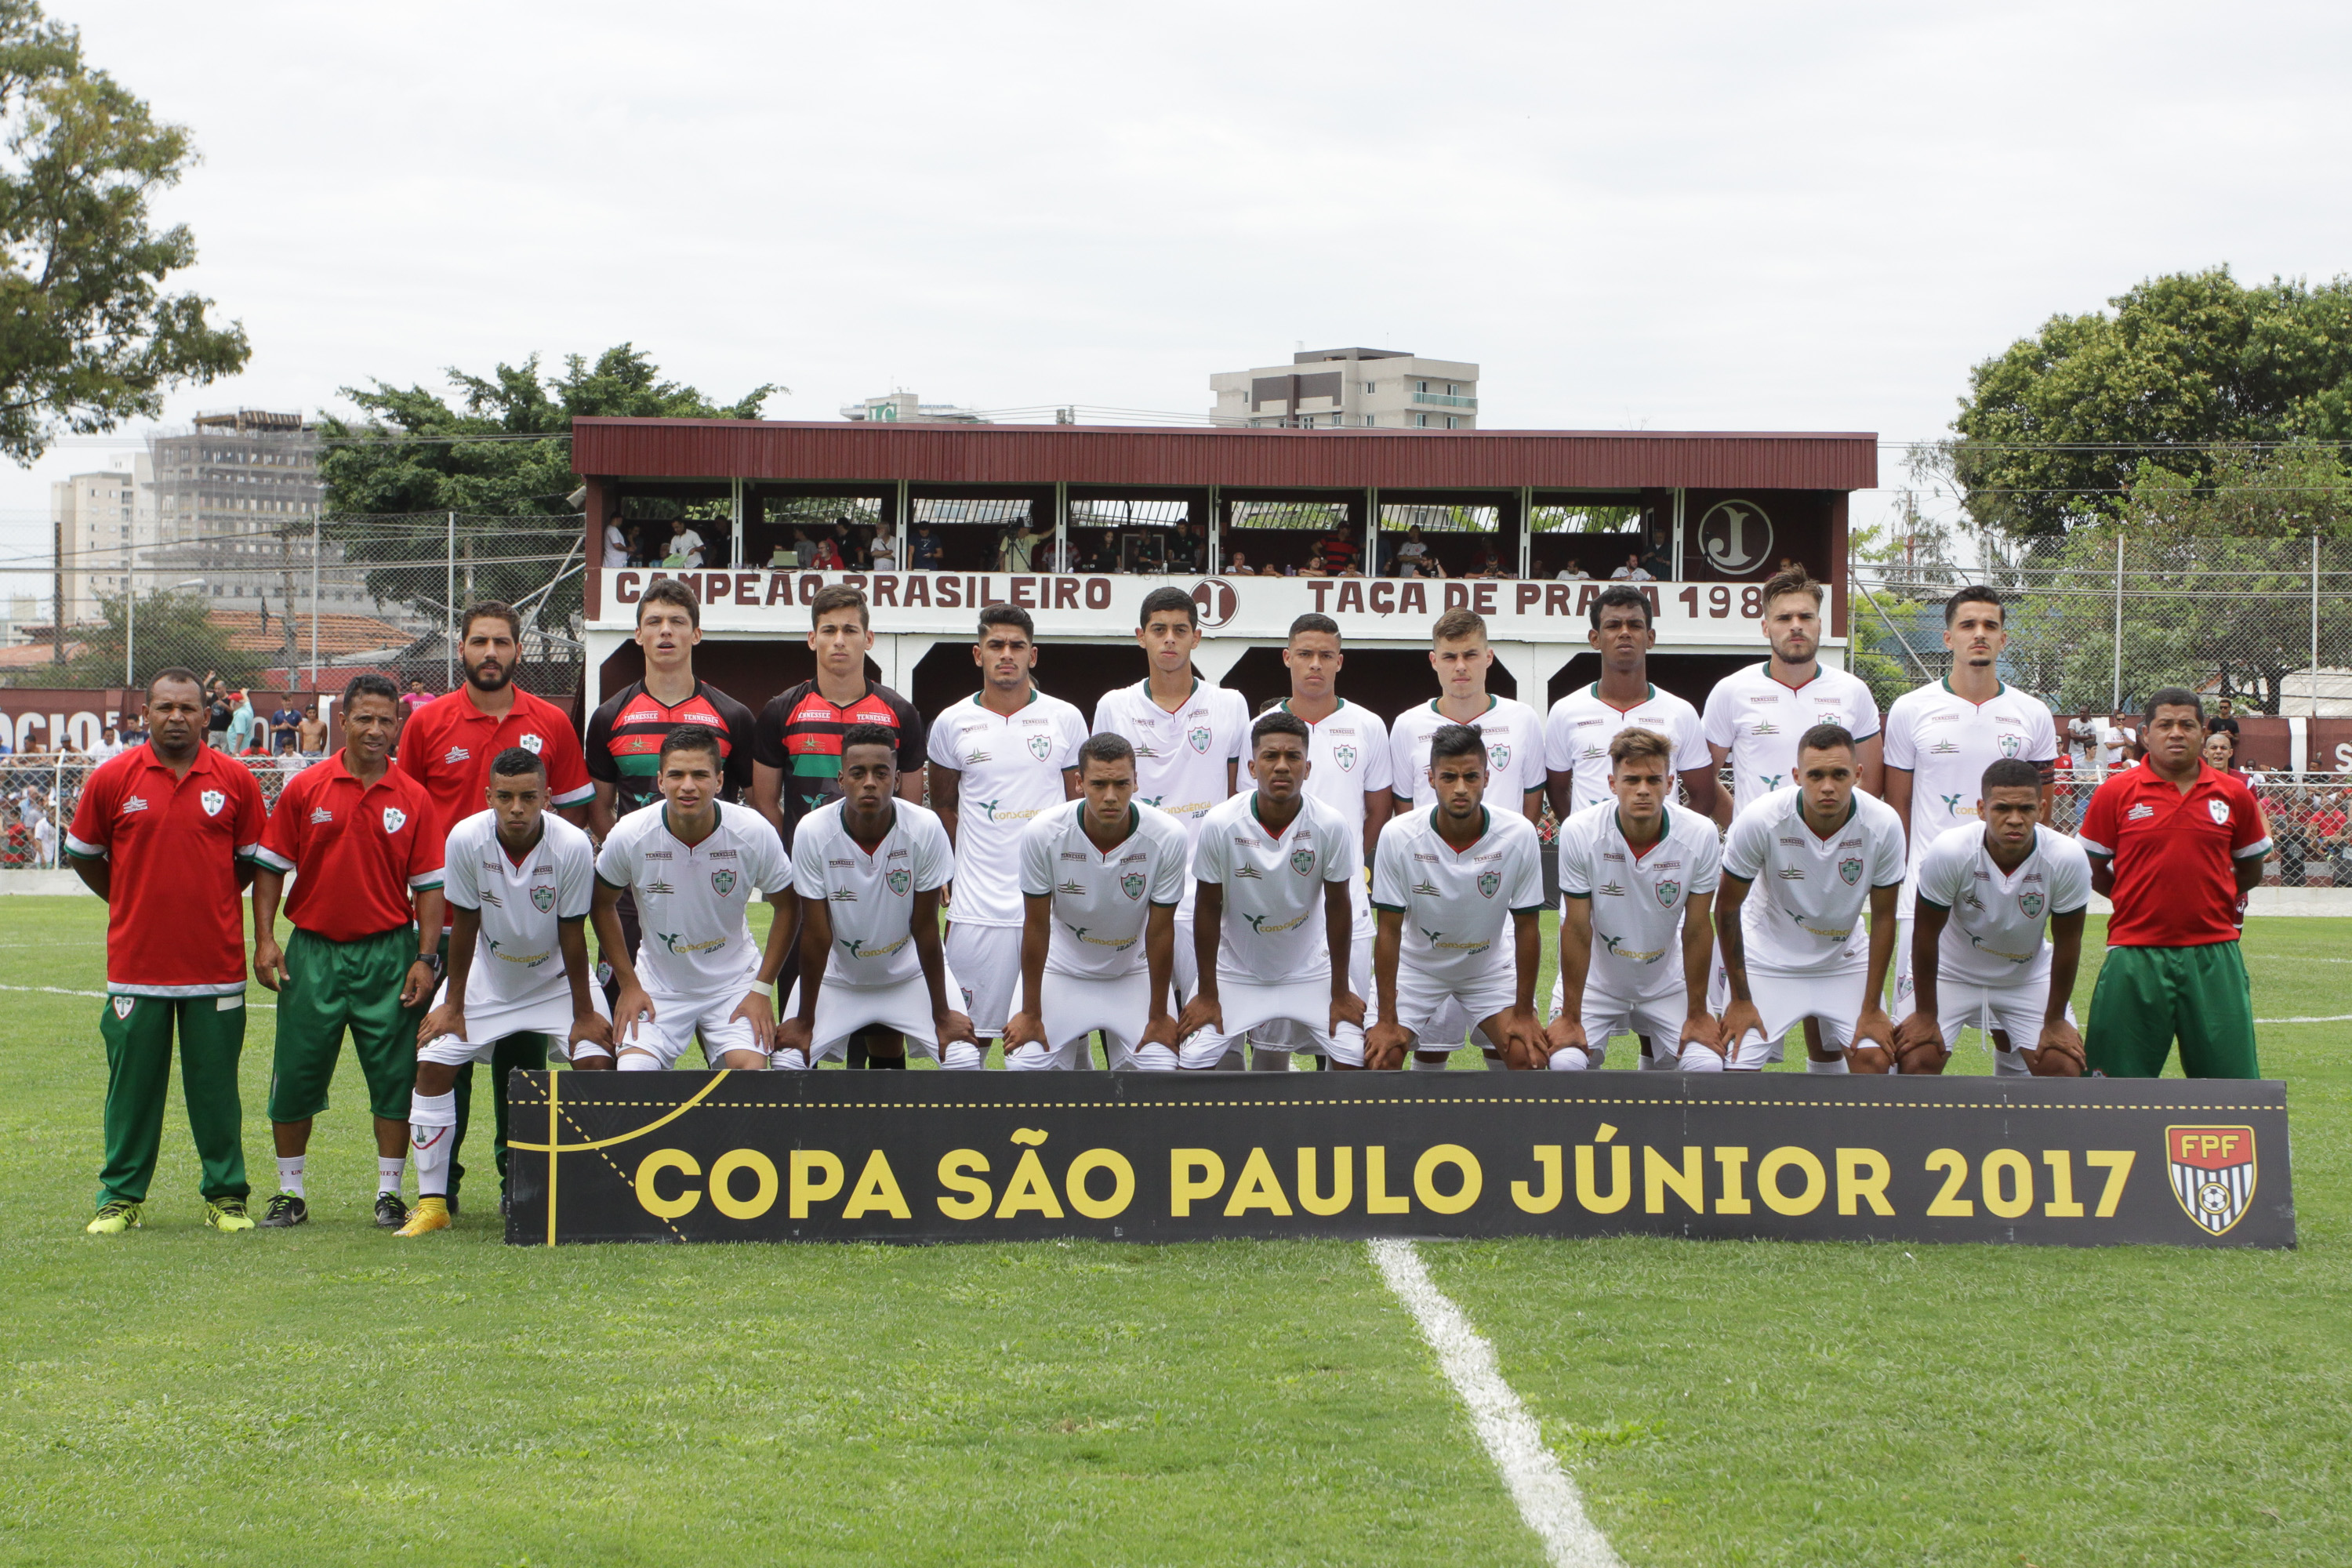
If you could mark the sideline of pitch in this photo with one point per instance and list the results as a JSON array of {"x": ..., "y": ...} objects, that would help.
[{"x": 1547, "y": 1499}]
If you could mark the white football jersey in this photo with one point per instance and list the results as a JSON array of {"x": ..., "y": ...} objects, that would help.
[
  {"x": 1457, "y": 906},
  {"x": 1349, "y": 756},
  {"x": 1998, "y": 929},
  {"x": 1947, "y": 742},
  {"x": 1803, "y": 913},
  {"x": 1513, "y": 735},
  {"x": 692, "y": 898},
  {"x": 517, "y": 962},
  {"x": 1011, "y": 769},
  {"x": 1637, "y": 899},
  {"x": 1180, "y": 758},
  {"x": 1578, "y": 732},
  {"x": 871, "y": 897},
  {"x": 1101, "y": 900},
  {"x": 1273, "y": 927},
  {"x": 1761, "y": 720}
]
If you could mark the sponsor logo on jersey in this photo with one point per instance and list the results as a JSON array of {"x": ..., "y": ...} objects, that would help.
[
  {"x": 2139, "y": 810},
  {"x": 530, "y": 743},
  {"x": 1075, "y": 854},
  {"x": 1118, "y": 946},
  {"x": 1424, "y": 854},
  {"x": 542, "y": 898},
  {"x": 133, "y": 803},
  {"x": 1764, "y": 726},
  {"x": 1850, "y": 870},
  {"x": 456, "y": 754},
  {"x": 845, "y": 864},
  {"x": 1668, "y": 892},
  {"x": 857, "y": 948},
  {"x": 520, "y": 960},
  {"x": 901, "y": 881},
  {"x": 2212, "y": 1170},
  {"x": 657, "y": 855},
  {"x": 1198, "y": 736},
  {"x": 974, "y": 758},
  {"x": 1075, "y": 890},
  {"x": 1251, "y": 872},
  {"x": 1611, "y": 890},
  {"x": 212, "y": 800},
  {"x": 1436, "y": 939},
  {"x": 1790, "y": 874},
  {"x": 2031, "y": 903},
  {"x": 394, "y": 819},
  {"x": 1039, "y": 745},
  {"x": 1427, "y": 889},
  {"x": 842, "y": 896},
  {"x": 2221, "y": 810},
  {"x": 722, "y": 882},
  {"x": 123, "y": 1004},
  {"x": 1943, "y": 748},
  {"x": 1612, "y": 854},
  {"x": 1951, "y": 804},
  {"x": 1346, "y": 757},
  {"x": 1489, "y": 882},
  {"x": 1617, "y": 948},
  {"x": 1258, "y": 924},
  {"x": 1303, "y": 861},
  {"x": 1131, "y": 885},
  {"x": 320, "y": 814},
  {"x": 653, "y": 889},
  {"x": 679, "y": 945},
  {"x": 1771, "y": 781}
]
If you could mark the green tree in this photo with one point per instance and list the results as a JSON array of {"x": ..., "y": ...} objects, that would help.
[
  {"x": 2055, "y": 429},
  {"x": 166, "y": 628},
  {"x": 503, "y": 451},
  {"x": 88, "y": 339}
]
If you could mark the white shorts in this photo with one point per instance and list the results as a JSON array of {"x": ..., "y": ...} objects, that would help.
[
  {"x": 1833, "y": 999},
  {"x": 842, "y": 1010},
  {"x": 1074, "y": 1007},
  {"x": 1903, "y": 968},
  {"x": 1718, "y": 997},
  {"x": 1432, "y": 1010},
  {"x": 678, "y": 1019},
  {"x": 1186, "y": 973},
  {"x": 1247, "y": 1005},
  {"x": 551, "y": 1016},
  {"x": 2017, "y": 1011},
  {"x": 987, "y": 958},
  {"x": 1281, "y": 1035},
  {"x": 1658, "y": 1017}
]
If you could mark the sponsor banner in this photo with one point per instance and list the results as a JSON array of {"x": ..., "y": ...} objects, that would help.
[
  {"x": 832, "y": 1156},
  {"x": 1065, "y": 605}
]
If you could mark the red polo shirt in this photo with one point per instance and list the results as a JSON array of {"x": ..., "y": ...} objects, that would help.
[
  {"x": 357, "y": 853},
  {"x": 448, "y": 744},
  {"x": 2176, "y": 854},
  {"x": 175, "y": 921}
]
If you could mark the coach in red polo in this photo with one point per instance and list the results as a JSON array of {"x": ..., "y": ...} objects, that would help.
[
  {"x": 2175, "y": 843},
  {"x": 446, "y": 746}
]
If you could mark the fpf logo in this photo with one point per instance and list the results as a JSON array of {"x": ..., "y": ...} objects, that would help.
[{"x": 2212, "y": 1170}]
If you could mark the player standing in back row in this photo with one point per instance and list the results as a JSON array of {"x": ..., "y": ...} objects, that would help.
[
  {"x": 1188, "y": 735},
  {"x": 1755, "y": 713},
  {"x": 1940, "y": 739},
  {"x": 998, "y": 758},
  {"x": 1580, "y": 725},
  {"x": 1511, "y": 731}
]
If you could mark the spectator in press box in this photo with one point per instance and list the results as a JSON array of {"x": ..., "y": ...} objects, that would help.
[
  {"x": 1633, "y": 571},
  {"x": 923, "y": 549}
]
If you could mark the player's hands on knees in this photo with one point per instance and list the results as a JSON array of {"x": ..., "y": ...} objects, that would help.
[
  {"x": 1523, "y": 1041},
  {"x": 449, "y": 1018},
  {"x": 1159, "y": 1029},
  {"x": 792, "y": 1034},
  {"x": 1023, "y": 1029},
  {"x": 1919, "y": 1029},
  {"x": 1701, "y": 1030},
  {"x": 419, "y": 986},
  {"x": 1385, "y": 1044},
  {"x": 950, "y": 1024},
  {"x": 1740, "y": 1020},
  {"x": 2060, "y": 1054},
  {"x": 631, "y": 1006},
  {"x": 1872, "y": 1027},
  {"x": 756, "y": 1010},
  {"x": 1560, "y": 1033},
  {"x": 268, "y": 963},
  {"x": 1346, "y": 1008},
  {"x": 589, "y": 1028},
  {"x": 1202, "y": 1012}
]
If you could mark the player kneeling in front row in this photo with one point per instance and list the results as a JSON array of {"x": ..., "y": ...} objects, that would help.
[
  {"x": 1988, "y": 892},
  {"x": 1640, "y": 876},
  {"x": 868, "y": 869},
  {"x": 1273, "y": 913},
  {"x": 1800, "y": 866},
  {"x": 692, "y": 861},
  {"x": 518, "y": 882},
  {"x": 1459, "y": 889},
  {"x": 1100, "y": 879}
]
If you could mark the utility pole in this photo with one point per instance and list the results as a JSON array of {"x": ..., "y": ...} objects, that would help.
[{"x": 57, "y": 626}]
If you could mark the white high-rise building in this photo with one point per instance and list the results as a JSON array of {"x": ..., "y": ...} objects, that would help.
[
  {"x": 105, "y": 523},
  {"x": 1335, "y": 388}
]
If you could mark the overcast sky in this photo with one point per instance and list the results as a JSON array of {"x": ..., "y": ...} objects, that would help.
[{"x": 1777, "y": 217}]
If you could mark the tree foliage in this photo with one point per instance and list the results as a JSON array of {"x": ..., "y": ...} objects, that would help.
[
  {"x": 166, "y": 628},
  {"x": 2056, "y": 430},
  {"x": 88, "y": 338}
]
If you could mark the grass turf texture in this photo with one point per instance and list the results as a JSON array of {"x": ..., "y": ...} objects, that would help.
[{"x": 333, "y": 1394}]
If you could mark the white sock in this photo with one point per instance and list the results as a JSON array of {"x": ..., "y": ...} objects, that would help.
[
  {"x": 1834, "y": 1064},
  {"x": 1698, "y": 1058},
  {"x": 1265, "y": 1058},
  {"x": 638, "y": 1061},
  {"x": 1657, "y": 1064},
  {"x": 962, "y": 1055},
  {"x": 1440, "y": 1065},
  {"x": 2010, "y": 1064},
  {"x": 390, "y": 1168},
  {"x": 1570, "y": 1059},
  {"x": 432, "y": 1127},
  {"x": 289, "y": 1176}
]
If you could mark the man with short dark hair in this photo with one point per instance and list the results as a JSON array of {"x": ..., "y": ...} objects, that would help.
[
  {"x": 1580, "y": 725},
  {"x": 2175, "y": 843},
  {"x": 167, "y": 834},
  {"x": 998, "y": 759},
  {"x": 1511, "y": 731},
  {"x": 357, "y": 833}
]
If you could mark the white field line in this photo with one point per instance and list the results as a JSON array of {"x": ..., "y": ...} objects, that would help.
[
  {"x": 101, "y": 995},
  {"x": 1547, "y": 1497}
]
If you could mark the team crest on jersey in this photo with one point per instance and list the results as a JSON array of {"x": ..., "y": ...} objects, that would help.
[
  {"x": 2010, "y": 744},
  {"x": 394, "y": 819},
  {"x": 122, "y": 1005},
  {"x": 1498, "y": 758},
  {"x": 1668, "y": 890},
  {"x": 1346, "y": 757},
  {"x": 542, "y": 898},
  {"x": 1132, "y": 884},
  {"x": 530, "y": 743},
  {"x": 212, "y": 800},
  {"x": 1489, "y": 882},
  {"x": 2031, "y": 903},
  {"x": 1199, "y": 737},
  {"x": 1849, "y": 868},
  {"x": 1039, "y": 745},
  {"x": 2221, "y": 810},
  {"x": 722, "y": 882},
  {"x": 1303, "y": 861},
  {"x": 2212, "y": 1170},
  {"x": 900, "y": 882}
]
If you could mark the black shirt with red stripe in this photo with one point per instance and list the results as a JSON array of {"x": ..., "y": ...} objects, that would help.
[
  {"x": 625, "y": 734},
  {"x": 800, "y": 733}
]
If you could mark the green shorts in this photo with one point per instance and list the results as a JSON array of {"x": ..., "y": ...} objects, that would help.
[
  {"x": 2147, "y": 995},
  {"x": 332, "y": 987}
]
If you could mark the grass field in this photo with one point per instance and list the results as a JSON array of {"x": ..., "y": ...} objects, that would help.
[{"x": 334, "y": 1395}]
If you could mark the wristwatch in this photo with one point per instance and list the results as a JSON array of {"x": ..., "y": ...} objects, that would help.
[{"x": 431, "y": 961}]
